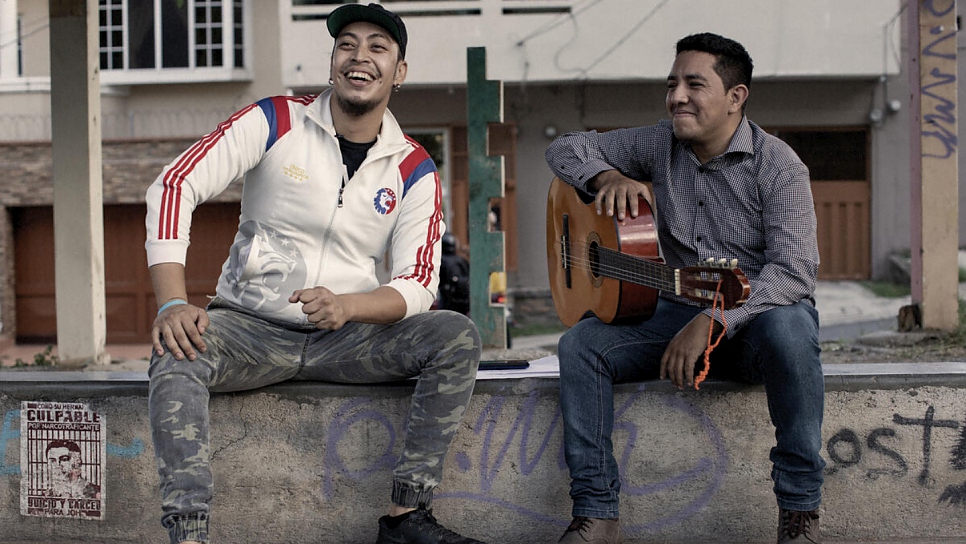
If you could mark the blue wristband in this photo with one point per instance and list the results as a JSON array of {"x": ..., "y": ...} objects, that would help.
[{"x": 170, "y": 303}]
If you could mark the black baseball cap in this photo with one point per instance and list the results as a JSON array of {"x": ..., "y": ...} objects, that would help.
[{"x": 373, "y": 13}]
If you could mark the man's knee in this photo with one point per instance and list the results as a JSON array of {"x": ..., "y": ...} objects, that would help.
[
  {"x": 785, "y": 342},
  {"x": 455, "y": 325},
  {"x": 793, "y": 325},
  {"x": 166, "y": 366},
  {"x": 576, "y": 348}
]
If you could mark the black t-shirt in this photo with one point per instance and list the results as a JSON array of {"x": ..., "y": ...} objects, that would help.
[{"x": 353, "y": 154}]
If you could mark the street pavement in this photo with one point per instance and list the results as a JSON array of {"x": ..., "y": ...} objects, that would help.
[{"x": 847, "y": 311}]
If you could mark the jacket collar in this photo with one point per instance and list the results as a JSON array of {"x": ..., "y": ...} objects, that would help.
[{"x": 389, "y": 141}]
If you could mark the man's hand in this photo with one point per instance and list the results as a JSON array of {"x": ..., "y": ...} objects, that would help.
[
  {"x": 617, "y": 192},
  {"x": 181, "y": 328},
  {"x": 685, "y": 349},
  {"x": 324, "y": 309}
]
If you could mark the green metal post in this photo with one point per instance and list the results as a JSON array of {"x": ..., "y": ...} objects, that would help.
[{"x": 484, "y": 105}]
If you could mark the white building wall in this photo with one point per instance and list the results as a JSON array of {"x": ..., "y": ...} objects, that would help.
[{"x": 618, "y": 39}]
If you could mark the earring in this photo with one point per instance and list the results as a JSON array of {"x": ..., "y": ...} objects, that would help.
[
  {"x": 331, "y": 82},
  {"x": 395, "y": 88}
]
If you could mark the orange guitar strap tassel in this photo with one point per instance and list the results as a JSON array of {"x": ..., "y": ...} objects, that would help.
[{"x": 707, "y": 352}]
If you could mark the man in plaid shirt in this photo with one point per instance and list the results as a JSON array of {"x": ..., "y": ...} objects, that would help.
[{"x": 722, "y": 188}]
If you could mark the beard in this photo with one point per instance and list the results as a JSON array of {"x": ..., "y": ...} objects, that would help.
[{"x": 355, "y": 108}]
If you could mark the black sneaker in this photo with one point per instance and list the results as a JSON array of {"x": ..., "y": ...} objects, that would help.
[{"x": 418, "y": 527}]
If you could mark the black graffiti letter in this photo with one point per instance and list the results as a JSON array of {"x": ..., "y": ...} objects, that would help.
[
  {"x": 956, "y": 494},
  {"x": 927, "y": 424},
  {"x": 848, "y": 437},
  {"x": 872, "y": 441},
  {"x": 958, "y": 459}
]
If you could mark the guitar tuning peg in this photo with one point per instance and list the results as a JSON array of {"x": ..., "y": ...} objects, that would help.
[
  {"x": 734, "y": 263},
  {"x": 709, "y": 260},
  {"x": 723, "y": 263}
]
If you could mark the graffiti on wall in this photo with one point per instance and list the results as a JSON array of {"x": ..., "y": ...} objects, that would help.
[
  {"x": 510, "y": 439},
  {"x": 519, "y": 442},
  {"x": 878, "y": 456},
  {"x": 938, "y": 83},
  {"x": 518, "y": 445}
]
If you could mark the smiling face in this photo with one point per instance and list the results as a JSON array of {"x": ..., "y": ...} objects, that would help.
[
  {"x": 702, "y": 111},
  {"x": 365, "y": 66}
]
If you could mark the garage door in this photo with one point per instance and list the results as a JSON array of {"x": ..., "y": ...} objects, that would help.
[
  {"x": 838, "y": 162},
  {"x": 129, "y": 295},
  {"x": 842, "y": 210}
]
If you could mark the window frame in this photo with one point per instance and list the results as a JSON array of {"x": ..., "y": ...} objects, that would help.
[{"x": 192, "y": 73}]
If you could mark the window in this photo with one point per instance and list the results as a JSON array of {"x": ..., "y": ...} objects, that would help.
[
  {"x": 839, "y": 154},
  {"x": 141, "y": 35},
  {"x": 436, "y": 143}
]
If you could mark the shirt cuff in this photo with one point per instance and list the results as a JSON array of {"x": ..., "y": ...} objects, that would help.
[{"x": 166, "y": 251}]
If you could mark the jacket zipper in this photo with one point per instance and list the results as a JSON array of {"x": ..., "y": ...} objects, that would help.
[{"x": 345, "y": 176}]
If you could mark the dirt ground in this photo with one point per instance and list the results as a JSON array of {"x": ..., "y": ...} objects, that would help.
[{"x": 917, "y": 347}]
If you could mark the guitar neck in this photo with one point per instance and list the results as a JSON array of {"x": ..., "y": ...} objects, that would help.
[{"x": 637, "y": 270}]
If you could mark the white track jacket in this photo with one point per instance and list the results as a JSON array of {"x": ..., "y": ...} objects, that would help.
[{"x": 303, "y": 223}]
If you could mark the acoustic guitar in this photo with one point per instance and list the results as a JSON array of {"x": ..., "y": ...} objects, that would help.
[{"x": 613, "y": 269}]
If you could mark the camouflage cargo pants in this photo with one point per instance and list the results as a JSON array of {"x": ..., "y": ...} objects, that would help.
[{"x": 440, "y": 348}]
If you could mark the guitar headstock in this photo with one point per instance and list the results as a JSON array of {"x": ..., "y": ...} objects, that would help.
[{"x": 722, "y": 276}]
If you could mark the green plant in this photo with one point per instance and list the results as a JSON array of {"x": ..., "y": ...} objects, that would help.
[
  {"x": 958, "y": 336},
  {"x": 887, "y": 288},
  {"x": 536, "y": 329},
  {"x": 43, "y": 358}
]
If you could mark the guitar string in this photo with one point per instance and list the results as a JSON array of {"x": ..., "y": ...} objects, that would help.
[
  {"x": 580, "y": 256},
  {"x": 637, "y": 262},
  {"x": 664, "y": 279},
  {"x": 635, "y": 271}
]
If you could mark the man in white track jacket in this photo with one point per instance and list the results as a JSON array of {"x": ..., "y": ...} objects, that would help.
[{"x": 332, "y": 187}]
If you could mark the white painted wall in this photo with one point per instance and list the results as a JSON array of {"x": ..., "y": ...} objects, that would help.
[{"x": 615, "y": 40}]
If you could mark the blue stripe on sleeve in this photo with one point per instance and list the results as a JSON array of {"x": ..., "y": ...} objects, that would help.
[
  {"x": 421, "y": 170},
  {"x": 268, "y": 108}
]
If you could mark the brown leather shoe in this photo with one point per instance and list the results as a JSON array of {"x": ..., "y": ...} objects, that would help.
[
  {"x": 592, "y": 531},
  {"x": 798, "y": 527}
]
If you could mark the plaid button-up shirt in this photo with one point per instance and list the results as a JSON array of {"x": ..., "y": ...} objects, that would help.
[{"x": 752, "y": 203}]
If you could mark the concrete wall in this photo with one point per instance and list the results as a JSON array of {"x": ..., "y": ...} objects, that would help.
[{"x": 312, "y": 462}]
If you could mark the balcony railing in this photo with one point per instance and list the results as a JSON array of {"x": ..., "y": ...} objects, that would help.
[{"x": 308, "y": 10}]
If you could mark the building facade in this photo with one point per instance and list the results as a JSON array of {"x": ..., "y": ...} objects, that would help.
[{"x": 829, "y": 79}]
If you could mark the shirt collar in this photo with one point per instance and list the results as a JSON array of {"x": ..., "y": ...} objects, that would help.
[
  {"x": 741, "y": 142},
  {"x": 390, "y": 134}
]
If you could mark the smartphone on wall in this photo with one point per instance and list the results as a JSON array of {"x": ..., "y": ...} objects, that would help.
[{"x": 510, "y": 364}]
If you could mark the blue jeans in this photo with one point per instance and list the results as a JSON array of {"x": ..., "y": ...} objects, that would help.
[{"x": 779, "y": 348}]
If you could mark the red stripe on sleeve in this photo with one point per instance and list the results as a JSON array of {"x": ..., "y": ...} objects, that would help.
[
  {"x": 170, "y": 211},
  {"x": 424, "y": 255},
  {"x": 283, "y": 117},
  {"x": 414, "y": 159}
]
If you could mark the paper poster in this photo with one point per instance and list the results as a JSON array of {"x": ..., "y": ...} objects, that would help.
[{"x": 62, "y": 455}]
